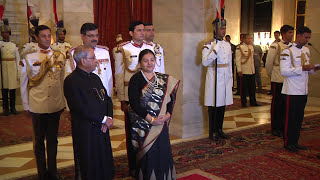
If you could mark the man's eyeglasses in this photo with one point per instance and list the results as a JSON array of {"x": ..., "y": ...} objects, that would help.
[{"x": 93, "y": 35}]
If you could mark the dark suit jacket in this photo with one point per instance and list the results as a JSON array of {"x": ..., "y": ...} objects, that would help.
[{"x": 89, "y": 103}]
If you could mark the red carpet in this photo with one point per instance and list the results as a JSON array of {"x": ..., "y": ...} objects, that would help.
[
  {"x": 249, "y": 154},
  {"x": 16, "y": 129}
]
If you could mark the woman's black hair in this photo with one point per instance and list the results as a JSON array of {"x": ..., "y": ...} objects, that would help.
[{"x": 144, "y": 52}]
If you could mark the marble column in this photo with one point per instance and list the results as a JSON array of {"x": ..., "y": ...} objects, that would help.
[
  {"x": 283, "y": 12},
  {"x": 16, "y": 13},
  {"x": 182, "y": 28},
  {"x": 233, "y": 17},
  {"x": 46, "y": 14},
  {"x": 312, "y": 21},
  {"x": 76, "y": 13}
]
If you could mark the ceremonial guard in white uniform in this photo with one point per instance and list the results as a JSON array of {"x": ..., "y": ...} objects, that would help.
[
  {"x": 42, "y": 75},
  {"x": 273, "y": 71},
  {"x": 10, "y": 71},
  {"x": 246, "y": 71},
  {"x": 63, "y": 46},
  {"x": 126, "y": 65},
  {"x": 218, "y": 84},
  {"x": 295, "y": 66},
  {"x": 157, "y": 49}
]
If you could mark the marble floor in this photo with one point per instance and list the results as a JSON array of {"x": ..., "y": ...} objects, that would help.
[{"x": 18, "y": 160}]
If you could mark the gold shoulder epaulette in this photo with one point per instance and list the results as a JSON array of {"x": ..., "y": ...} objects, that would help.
[
  {"x": 124, "y": 43},
  {"x": 103, "y": 47},
  {"x": 68, "y": 45},
  {"x": 205, "y": 47},
  {"x": 284, "y": 54},
  {"x": 28, "y": 52},
  {"x": 24, "y": 45},
  {"x": 147, "y": 43},
  {"x": 158, "y": 44}
]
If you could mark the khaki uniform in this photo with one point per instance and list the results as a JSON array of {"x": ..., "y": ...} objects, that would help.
[
  {"x": 64, "y": 48},
  {"x": 42, "y": 85},
  {"x": 245, "y": 64},
  {"x": 42, "y": 75},
  {"x": 244, "y": 59},
  {"x": 273, "y": 71},
  {"x": 126, "y": 65},
  {"x": 273, "y": 61}
]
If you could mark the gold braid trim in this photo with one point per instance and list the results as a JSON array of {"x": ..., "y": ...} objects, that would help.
[
  {"x": 303, "y": 59},
  {"x": 244, "y": 56},
  {"x": 279, "y": 52},
  {"x": 291, "y": 56},
  {"x": 37, "y": 79},
  {"x": 23, "y": 55},
  {"x": 45, "y": 67},
  {"x": 280, "y": 49}
]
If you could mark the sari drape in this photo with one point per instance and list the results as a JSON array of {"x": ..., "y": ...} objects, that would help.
[{"x": 154, "y": 98}]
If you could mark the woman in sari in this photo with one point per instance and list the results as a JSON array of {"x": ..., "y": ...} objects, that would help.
[{"x": 152, "y": 97}]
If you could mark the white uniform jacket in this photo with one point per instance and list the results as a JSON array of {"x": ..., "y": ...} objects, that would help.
[
  {"x": 126, "y": 65},
  {"x": 273, "y": 61},
  {"x": 158, "y": 51},
  {"x": 47, "y": 96},
  {"x": 10, "y": 65},
  {"x": 244, "y": 59},
  {"x": 295, "y": 79},
  {"x": 220, "y": 50}
]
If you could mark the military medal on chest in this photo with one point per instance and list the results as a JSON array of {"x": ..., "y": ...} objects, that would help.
[
  {"x": 99, "y": 69},
  {"x": 158, "y": 53}
]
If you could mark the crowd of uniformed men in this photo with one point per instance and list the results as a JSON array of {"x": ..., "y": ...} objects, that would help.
[{"x": 41, "y": 68}]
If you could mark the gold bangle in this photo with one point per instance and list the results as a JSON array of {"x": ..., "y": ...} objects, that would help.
[{"x": 152, "y": 119}]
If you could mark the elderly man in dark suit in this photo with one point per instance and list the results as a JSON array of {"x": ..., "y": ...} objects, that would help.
[{"x": 91, "y": 117}]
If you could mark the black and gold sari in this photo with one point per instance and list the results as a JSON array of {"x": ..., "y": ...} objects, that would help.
[{"x": 152, "y": 143}]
